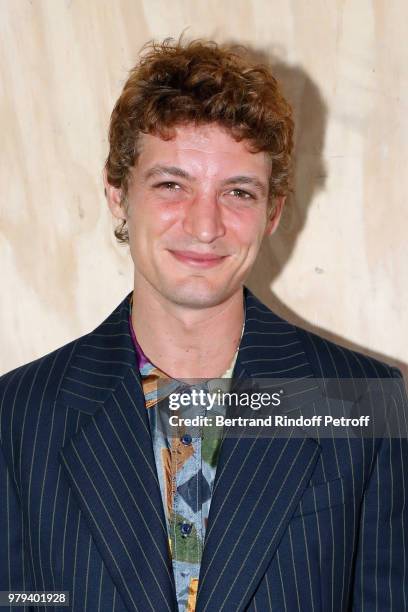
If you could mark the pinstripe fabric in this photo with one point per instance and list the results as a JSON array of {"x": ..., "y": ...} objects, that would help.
[{"x": 294, "y": 524}]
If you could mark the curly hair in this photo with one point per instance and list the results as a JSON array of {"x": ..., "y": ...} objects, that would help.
[{"x": 199, "y": 82}]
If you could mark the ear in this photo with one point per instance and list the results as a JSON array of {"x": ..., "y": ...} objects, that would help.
[
  {"x": 275, "y": 215},
  {"x": 114, "y": 198}
]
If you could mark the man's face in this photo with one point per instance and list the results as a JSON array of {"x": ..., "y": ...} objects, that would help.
[{"x": 196, "y": 214}]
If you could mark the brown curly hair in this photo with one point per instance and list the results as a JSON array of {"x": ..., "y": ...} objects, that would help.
[{"x": 199, "y": 82}]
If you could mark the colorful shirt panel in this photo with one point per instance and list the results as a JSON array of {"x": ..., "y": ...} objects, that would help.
[{"x": 186, "y": 467}]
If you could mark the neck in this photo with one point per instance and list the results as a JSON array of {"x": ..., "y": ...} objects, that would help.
[{"x": 185, "y": 342}]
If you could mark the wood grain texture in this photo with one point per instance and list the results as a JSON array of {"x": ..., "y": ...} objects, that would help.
[{"x": 338, "y": 263}]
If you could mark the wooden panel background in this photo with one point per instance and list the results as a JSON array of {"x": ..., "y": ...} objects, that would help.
[{"x": 338, "y": 263}]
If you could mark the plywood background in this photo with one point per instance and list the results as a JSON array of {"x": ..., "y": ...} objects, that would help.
[{"x": 339, "y": 262}]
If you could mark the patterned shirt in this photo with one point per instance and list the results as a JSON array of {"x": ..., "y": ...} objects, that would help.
[{"x": 186, "y": 468}]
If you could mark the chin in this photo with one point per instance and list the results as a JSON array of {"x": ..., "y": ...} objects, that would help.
[{"x": 198, "y": 296}]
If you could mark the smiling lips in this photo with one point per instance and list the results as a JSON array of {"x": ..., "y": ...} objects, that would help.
[{"x": 200, "y": 260}]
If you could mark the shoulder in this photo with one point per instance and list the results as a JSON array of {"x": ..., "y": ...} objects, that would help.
[
  {"x": 28, "y": 401},
  {"x": 326, "y": 358},
  {"x": 36, "y": 382},
  {"x": 37, "y": 387},
  {"x": 44, "y": 375},
  {"x": 329, "y": 359}
]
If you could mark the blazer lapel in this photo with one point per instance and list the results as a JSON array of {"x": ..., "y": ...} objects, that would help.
[
  {"x": 258, "y": 482},
  {"x": 110, "y": 466}
]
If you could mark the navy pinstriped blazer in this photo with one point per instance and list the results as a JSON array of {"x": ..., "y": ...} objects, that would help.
[{"x": 294, "y": 525}]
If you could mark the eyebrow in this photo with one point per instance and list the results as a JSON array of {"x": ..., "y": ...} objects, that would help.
[
  {"x": 247, "y": 180},
  {"x": 159, "y": 170},
  {"x": 164, "y": 170}
]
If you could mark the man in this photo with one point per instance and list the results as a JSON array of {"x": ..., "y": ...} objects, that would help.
[{"x": 97, "y": 500}]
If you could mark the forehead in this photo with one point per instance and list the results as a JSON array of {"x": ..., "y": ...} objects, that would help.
[{"x": 207, "y": 146}]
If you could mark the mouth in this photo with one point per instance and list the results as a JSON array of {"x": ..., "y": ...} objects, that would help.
[{"x": 198, "y": 260}]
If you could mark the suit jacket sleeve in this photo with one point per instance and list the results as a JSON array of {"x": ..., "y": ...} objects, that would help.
[
  {"x": 381, "y": 571},
  {"x": 14, "y": 574}
]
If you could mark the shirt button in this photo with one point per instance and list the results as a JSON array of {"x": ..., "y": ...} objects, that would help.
[
  {"x": 186, "y": 439},
  {"x": 185, "y": 529}
]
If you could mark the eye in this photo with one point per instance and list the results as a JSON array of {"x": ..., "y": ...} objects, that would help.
[
  {"x": 168, "y": 185},
  {"x": 241, "y": 194}
]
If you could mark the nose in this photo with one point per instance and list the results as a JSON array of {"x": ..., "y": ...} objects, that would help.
[{"x": 203, "y": 218}]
